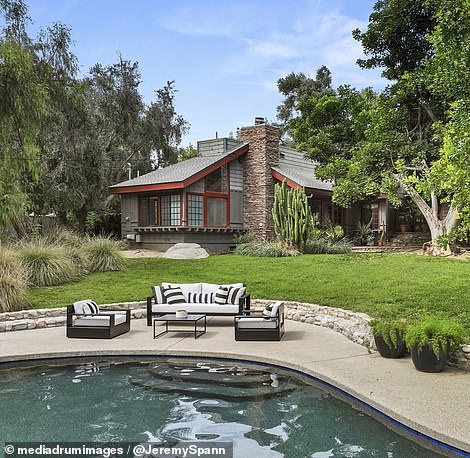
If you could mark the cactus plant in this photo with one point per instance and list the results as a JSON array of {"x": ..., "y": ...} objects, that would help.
[{"x": 293, "y": 220}]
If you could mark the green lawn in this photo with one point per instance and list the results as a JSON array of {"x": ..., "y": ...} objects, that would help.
[{"x": 378, "y": 284}]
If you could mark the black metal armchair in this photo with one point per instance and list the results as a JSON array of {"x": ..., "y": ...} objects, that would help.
[
  {"x": 84, "y": 320},
  {"x": 266, "y": 325}
]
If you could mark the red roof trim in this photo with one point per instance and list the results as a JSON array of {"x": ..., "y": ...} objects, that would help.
[
  {"x": 181, "y": 184},
  {"x": 281, "y": 178}
]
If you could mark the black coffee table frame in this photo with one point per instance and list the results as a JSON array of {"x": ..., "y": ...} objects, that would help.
[{"x": 171, "y": 318}]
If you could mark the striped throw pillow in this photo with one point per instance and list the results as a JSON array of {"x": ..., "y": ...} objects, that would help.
[
  {"x": 235, "y": 294},
  {"x": 174, "y": 296},
  {"x": 86, "y": 307},
  {"x": 221, "y": 295},
  {"x": 200, "y": 298},
  {"x": 158, "y": 294}
]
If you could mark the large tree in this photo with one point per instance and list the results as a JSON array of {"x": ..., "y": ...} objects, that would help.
[
  {"x": 390, "y": 143},
  {"x": 64, "y": 140}
]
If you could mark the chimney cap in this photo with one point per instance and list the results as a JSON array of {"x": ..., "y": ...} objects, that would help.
[{"x": 259, "y": 120}]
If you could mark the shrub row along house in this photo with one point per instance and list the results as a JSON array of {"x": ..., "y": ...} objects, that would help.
[{"x": 228, "y": 189}]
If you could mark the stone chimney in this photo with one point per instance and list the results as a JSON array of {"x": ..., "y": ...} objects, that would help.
[{"x": 258, "y": 198}]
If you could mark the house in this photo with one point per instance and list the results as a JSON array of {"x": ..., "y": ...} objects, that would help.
[{"x": 226, "y": 190}]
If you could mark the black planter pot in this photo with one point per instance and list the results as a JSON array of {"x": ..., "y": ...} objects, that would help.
[
  {"x": 390, "y": 351},
  {"x": 425, "y": 360}
]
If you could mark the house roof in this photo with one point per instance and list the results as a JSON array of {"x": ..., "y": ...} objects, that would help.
[
  {"x": 301, "y": 176},
  {"x": 179, "y": 175},
  {"x": 298, "y": 170}
]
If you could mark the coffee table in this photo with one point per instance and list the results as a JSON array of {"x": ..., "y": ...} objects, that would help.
[{"x": 171, "y": 318}]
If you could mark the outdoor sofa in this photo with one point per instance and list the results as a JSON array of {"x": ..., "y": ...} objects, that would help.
[
  {"x": 198, "y": 298},
  {"x": 84, "y": 320}
]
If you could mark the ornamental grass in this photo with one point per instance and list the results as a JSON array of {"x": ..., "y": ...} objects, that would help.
[
  {"x": 104, "y": 254},
  {"x": 13, "y": 285},
  {"x": 46, "y": 264}
]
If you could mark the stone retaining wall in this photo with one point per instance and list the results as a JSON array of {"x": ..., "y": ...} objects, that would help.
[{"x": 355, "y": 326}]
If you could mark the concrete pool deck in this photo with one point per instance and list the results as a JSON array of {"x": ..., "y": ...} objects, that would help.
[{"x": 437, "y": 405}]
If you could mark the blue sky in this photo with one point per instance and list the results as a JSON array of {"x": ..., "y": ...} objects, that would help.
[{"x": 225, "y": 56}]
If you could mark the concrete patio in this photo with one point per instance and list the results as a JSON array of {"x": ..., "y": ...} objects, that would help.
[{"x": 437, "y": 405}]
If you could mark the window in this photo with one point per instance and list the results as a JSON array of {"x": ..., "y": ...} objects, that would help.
[
  {"x": 148, "y": 211},
  {"x": 370, "y": 214},
  {"x": 216, "y": 211},
  {"x": 195, "y": 210},
  {"x": 170, "y": 210},
  {"x": 217, "y": 181}
]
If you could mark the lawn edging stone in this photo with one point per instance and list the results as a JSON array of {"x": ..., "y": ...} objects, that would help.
[{"x": 353, "y": 325}]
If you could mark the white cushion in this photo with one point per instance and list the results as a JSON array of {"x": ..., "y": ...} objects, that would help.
[
  {"x": 100, "y": 320},
  {"x": 271, "y": 310},
  {"x": 212, "y": 288},
  {"x": 186, "y": 288},
  {"x": 195, "y": 308},
  {"x": 85, "y": 307},
  {"x": 256, "y": 323}
]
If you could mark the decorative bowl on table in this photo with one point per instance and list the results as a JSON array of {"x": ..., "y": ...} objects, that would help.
[{"x": 181, "y": 314}]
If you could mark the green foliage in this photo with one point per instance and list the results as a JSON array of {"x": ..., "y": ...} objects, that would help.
[
  {"x": 187, "y": 153},
  {"x": 396, "y": 37},
  {"x": 441, "y": 333},
  {"x": 265, "y": 248},
  {"x": 293, "y": 221},
  {"x": 389, "y": 329},
  {"x": 12, "y": 282},
  {"x": 245, "y": 237},
  {"x": 364, "y": 235},
  {"x": 45, "y": 265},
  {"x": 104, "y": 254}
]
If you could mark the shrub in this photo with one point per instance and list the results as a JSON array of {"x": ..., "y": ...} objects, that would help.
[
  {"x": 316, "y": 246},
  {"x": 265, "y": 248},
  {"x": 439, "y": 332},
  {"x": 322, "y": 246},
  {"x": 46, "y": 265},
  {"x": 104, "y": 254},
  {"x": 364, "y": 235},
  {"x": 64, "y": 237},
  {"x": 12, "y": 282},
  {"x": 388, "y": 329},
  {"x": 340, "y": 247}
]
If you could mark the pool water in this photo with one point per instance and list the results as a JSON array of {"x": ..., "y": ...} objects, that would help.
[{"x": 263, "y": 413}]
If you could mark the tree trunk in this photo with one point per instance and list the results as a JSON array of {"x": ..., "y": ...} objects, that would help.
[
  {"x": 437, "y": 226},
  {"x": 19, "y": 227}
]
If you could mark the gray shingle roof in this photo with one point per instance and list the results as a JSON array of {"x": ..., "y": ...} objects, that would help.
[
  {"x": 175, "y": 173},
  {"x": 303, "y": 176}
]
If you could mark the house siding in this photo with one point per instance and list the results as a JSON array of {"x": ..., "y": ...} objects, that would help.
[{"x": 216, "y": 146}]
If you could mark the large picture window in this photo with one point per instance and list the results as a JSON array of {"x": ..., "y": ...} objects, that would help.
[
  {"x": 195, "y": 210},
  {"x": 216, "y": 211},
  {"x": 170, "y": 210},
  {"x": 148, "y": 211}
]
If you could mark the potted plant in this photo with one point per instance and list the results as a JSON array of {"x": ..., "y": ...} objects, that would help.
[
  {"x": 432, "y": 340},
  {"x": 389, "y": 337}
]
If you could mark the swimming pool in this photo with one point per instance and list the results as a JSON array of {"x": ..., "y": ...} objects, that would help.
[{"x": 264, "y": 412}]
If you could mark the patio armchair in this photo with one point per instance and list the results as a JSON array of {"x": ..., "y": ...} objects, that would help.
[
  {"x": 84, "y": 320},
  {"x": 265, "y": 325}
]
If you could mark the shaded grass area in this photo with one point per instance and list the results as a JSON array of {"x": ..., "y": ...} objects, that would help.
[{"x": 402, "y": 285}]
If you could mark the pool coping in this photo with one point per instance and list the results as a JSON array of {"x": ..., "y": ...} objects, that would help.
[{"x": 256, "y": 354}]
